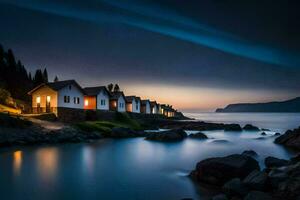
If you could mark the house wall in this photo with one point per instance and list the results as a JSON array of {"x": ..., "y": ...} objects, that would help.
[
  {"x": 72, "y": 92},
  {"x": 121, "y": 104},
  {"x": 91, "y": 103},
  {"x": 154, "y": 110},
  {"x": 129, "y": 107},
  {"x": 43, "y": 92},
  {"x": 136, "y": 106},
  {"x": 148, "y": 109},
  {"x": 102, "y": 95}
]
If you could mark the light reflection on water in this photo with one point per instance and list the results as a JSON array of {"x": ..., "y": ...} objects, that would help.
[
  {"x": 122, "y": 169},
  {"x": 17, "y": 162},
  {"x": 47, "y": 163}
]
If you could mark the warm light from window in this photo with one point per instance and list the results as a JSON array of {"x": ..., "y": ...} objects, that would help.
[
  {"x": 86, "y": 102},
  {"x": 38, "y": 100},
  {"x": 48, "y": 99}
]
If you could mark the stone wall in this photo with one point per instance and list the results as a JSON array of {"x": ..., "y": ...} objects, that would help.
[{"x": 70, "y": 115}]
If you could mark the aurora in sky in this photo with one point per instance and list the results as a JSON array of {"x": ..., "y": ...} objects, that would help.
[{"x": 211, "y": 54}]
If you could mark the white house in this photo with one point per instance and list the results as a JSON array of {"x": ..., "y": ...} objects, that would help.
[
  {"x": 154, "y": 107},
  {"x": 133, "y": 104},
  {"x": 48, "y": 97},
  {"x": 145, "y": 106},
  {"x": 117, "y": 102},
  {"x": 96, "y": 98}
]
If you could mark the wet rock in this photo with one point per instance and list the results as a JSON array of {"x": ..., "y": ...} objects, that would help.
[
  {"x": 265, "y": 129},
  {"x": 250, "y": 127},
  {"x": 232, "y": 127},
  {"x": 220, "y": 141},
  {"x": 294, "y": 159},
  {"x": 271, "y": 162},
  {"x": 263, "y": 133},
  {"x": 290, "y": 139},
  {"x": 220, "y": 197},
  {"x": 235, "y": 187},
  {"x": 198, "y": 135},
  {"x": 250, "y": 153},
  {"x": 219, "y": 170},
  {"x": 257, "y": 195},
  {"x": 171, "y": 135},
  {"x": 256, "y": 180},
  {"x": 285, "y": 181},
  {"x": 277, "y": 134}
]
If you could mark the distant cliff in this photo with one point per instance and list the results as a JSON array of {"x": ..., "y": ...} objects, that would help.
[{"x": 292, "y": 105}]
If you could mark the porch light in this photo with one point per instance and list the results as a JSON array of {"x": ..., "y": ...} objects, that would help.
[
  {"x": 86, "y": 102},
  {"x": 48, "y": 99}
]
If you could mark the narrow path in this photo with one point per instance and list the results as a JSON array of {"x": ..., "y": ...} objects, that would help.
[{"x": 47, "y": 124}]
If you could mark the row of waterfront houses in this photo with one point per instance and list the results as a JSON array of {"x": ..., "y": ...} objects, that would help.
[{"x": 48, "y": 97}]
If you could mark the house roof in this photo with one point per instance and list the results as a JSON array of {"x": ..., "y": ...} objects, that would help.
[
  {"x": 129, "y": 99},
  {"x": 153, "y": 103},
  {"x": 94, "y": 91},
  {"x": 116, "y": 95},
  {"x": 56, "y": 86}
]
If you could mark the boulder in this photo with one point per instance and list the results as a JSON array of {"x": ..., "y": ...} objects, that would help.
[
  {"x": 256, "y": 180},
  {"x": 277, "y": 134},
  {"x": 235, "y": 187},
  {"x": 257, "y": 195},
  {"x": 219, "y": 170},
  {"x": 295, "y": 159},
  {"x": 285, "y": 181},
  {"x": 250, "y": 127},
  {"x": 220, "y": 197},
  {"x": 250, "y": 153},
  {"x": 263, "y": 133},
  {"x": 232, "y": 127},
  {"x": 290, "y": 139},
  {"x": 171, "y": 135},
  {"x": 272, "y": 162},
  {"x": 198, "y": 135},
  {"x": 265, "y": 129}
]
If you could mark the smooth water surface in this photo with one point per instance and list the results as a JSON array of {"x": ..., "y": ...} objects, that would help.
[
  {"x": 121, "y": 169},
  {"x": 274, "y": 121}
]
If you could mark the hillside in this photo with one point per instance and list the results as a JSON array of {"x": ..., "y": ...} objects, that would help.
[{"x": 292, "y": 105}]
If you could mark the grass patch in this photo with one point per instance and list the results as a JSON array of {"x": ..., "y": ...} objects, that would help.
[
  {"x": 13, "y": 121},
  {"x": 120, "y": 120}
]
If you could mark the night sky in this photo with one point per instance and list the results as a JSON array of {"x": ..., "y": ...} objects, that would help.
[{"x": 196, "y": 55}]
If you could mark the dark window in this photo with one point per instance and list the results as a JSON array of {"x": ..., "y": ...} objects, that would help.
[
  {"x": 70, "y": 87},
  {"x": 67, "y": 99},
  {"x": 102, "y": 102}
]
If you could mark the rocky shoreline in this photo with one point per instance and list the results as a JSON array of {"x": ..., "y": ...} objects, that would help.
[{"x": 239, "y": 177}]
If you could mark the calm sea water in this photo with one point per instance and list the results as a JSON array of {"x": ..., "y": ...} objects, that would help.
[{"x": 131, "y": 168}]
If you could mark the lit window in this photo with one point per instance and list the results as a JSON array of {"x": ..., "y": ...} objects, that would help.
[
  {"x": 86, "y": 102},
  {"x": 48, "y": 99},
  {"x": 38, "y": 100}
]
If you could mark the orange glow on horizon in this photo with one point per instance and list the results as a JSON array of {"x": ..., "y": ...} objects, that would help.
[{"x": 196, "y": 98}]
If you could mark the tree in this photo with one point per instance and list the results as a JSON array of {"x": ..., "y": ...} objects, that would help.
[
  {"x": 29, "y": 76},
  {"x": 110, "y": 87},
  {"x": 45, "y": 76},
  {"x": 4, "y": 96},
  {"x": 38, "y": 77},
  {"x": 116, "y": 88},
  {"x": 55, "y": 79}
]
